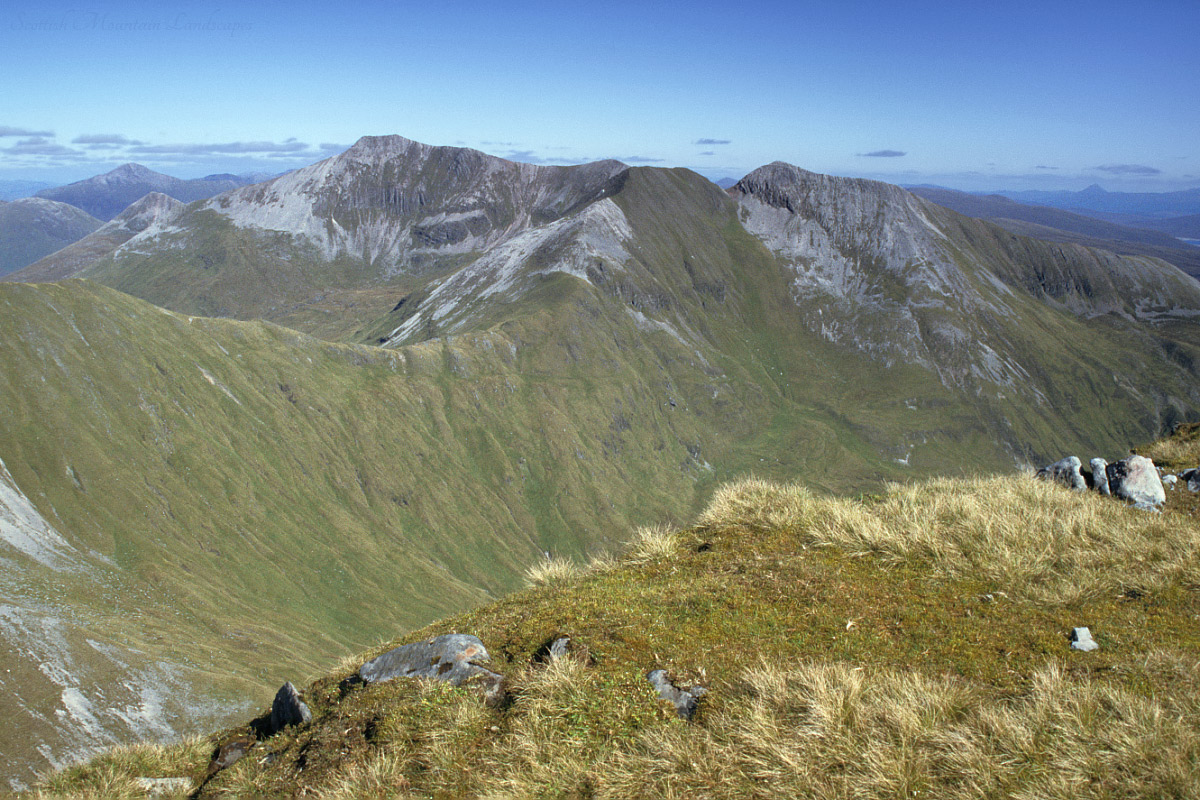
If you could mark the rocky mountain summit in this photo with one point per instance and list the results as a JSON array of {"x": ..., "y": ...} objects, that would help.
[
  {"x": 400, "y": 205},
  {"x": 880, "y": 270}
]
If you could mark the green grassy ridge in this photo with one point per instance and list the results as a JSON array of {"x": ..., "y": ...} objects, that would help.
[{"x": 750, "y": 589}]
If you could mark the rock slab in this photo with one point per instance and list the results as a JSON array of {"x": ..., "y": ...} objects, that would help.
[
  {"x": 449, "y": 658},
  {"x": 684, "y": 700},
  {"x": 1099, "y": 476},
  {"x": 1135, "y": 479},
  {"x": 1192, "y": 477},
  {"x": 1081, "y": 639},
  {"x": 1065, "y": 471},
  {"x": 288, "y": 709}
]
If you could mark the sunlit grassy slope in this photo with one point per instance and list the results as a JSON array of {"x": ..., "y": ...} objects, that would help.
[
  {"x": 907, "y": 643},
  {"x": 246, "y": 503}
]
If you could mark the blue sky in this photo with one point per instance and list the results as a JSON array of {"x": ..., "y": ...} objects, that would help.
[{"x": 985, "y": 95}]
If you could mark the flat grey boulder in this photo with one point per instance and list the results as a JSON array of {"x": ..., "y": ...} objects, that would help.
[
  {"x": 1081, "y": 639},
  {"x": 288, "y": 709},
  {"x": 1135, "y": 479},
  {"x": 684, "y": 700},
  {"x": 449, "y": 658},
  {"x": 1065, "y": 471},
  {"x": 1099, "y": 476}
]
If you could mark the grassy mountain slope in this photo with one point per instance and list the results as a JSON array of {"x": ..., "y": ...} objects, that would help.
[
  {"x": 908, "y": 643},
  {"x": 278, "y": 499},
  {"x": 32, "y": 228}
]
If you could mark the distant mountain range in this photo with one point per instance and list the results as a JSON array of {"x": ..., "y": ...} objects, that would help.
[
  {"x": 107, "y": 195},
  {"x": 15, "y": 190},
  {"x": 485, "y": 362},
  {"x": 1058, "y": 225},
  {"x": 32, "y": 227},
  {"x": 1153, "y": 205}
]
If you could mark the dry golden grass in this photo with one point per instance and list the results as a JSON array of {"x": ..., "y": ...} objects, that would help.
[
  {"x": 114, "y": 773},
  {"x": 1037, "y": 539},
  {"x": 651, "y": 544},
  {"x": 552, "y": 572},
  {"x": 1180, "y": 450},
  {"x": 831, "y": 730}
]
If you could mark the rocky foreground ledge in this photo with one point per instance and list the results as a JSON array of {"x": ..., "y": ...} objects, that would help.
[{"x": 1134, "y": 478}]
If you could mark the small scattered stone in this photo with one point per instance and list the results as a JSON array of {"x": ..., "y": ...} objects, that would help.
[
  {"x": 684, "y": 700},
  {"x": 232, "y": 752},
  {"x": 1081, "y": 639},
  {"x": 1099, "y": 476},
  {"x": 288, "y": 709},
  {"x": 1169, "y": 481},
  {"x": 1065, "y": 471},
  {"x": 1135, "y": 479},
  {"x": 559, "y": 647},
  {"x": 155, "y": 787}
]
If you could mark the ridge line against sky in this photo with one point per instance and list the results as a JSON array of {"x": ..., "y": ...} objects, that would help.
[{"x": 1013, "y": 96}]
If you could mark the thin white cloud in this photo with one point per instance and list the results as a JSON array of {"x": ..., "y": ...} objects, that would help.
[
  {"x": 224, "y": 148},
  {"x": 1129, "y": 169},
  {"x": 105, "y": 139},
  {"x": 7, "y": 130}
]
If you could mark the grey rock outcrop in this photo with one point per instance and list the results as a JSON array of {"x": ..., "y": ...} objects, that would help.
[
  {"x": 1081, "y": 639},
  {"x": 684, "y": 700},
  {"x": 1066, "y": 471},
  {"x": 451, "y": 658},
  {"x": 1192, "y": 477},
  {"x": 1099, "y": 476},
  {"x": 288, "y": 709},
  {"x": 1135, "y": 479}
]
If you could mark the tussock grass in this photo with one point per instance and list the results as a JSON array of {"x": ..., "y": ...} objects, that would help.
[
  {"x": 114, "y": 773},
  {"x": 652, "y": 544},
  {"x": 1180, "y": 450},
  {"x": 1036, "y": 539},
  {"x": 832, "y": 730},
  {"x": 552, "y": 572}
]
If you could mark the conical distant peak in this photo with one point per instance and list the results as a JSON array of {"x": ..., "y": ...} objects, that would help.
[{"x": 131, "y": 170}]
